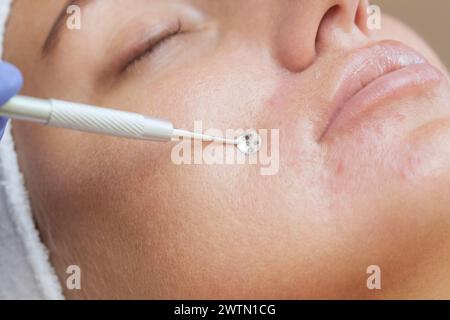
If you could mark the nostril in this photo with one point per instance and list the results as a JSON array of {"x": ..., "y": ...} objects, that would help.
[
  {"x": 328, "y": 15},
  {"x": 307, "y": 30},
  {"x": 362, "y": 17},
  {"x": 341, "y": 25}
]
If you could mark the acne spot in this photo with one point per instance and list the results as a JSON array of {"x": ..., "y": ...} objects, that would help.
[
  {"x": 410, "y": 166},
  {"x": 400, "y": 117},
  {"x": 340, "y": 168}
]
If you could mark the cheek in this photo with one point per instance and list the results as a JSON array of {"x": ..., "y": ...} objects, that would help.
[
  {"x": 83, "y": 172},
  {"x": 425, "y": 155}
]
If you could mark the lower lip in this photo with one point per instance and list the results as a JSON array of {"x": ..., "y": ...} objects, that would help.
[{"x": 409, "y": 80}]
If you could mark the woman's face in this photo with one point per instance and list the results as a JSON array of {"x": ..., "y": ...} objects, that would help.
[{"x": 364, "y": 164}]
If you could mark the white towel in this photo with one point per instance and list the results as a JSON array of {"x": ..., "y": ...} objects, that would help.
[{"x": 25, "y": 270}]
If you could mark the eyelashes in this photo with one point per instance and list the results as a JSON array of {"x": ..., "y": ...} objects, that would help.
[{"x": 149, "y": 47}]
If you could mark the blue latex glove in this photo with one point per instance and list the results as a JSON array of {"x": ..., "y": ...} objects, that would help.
[{"x": 10, "y": 84}]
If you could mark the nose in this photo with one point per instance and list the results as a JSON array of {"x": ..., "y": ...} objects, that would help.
[{"x": 308, "y": 26}]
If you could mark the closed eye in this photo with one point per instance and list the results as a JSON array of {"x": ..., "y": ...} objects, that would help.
[{"x": 148, "y": 48}]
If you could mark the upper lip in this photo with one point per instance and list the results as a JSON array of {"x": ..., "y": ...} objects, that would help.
[{"x": 365, "y": 65}]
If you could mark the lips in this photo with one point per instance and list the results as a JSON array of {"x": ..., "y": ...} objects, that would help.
[{"x": 383, "y": 71}]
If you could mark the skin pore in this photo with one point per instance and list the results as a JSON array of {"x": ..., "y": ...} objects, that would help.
[{"x": 141, "y": 227}]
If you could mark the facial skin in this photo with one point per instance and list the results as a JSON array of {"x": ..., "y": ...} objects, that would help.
[{"x": 374, "y": 192}]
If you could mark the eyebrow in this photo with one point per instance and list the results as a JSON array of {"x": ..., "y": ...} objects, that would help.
[{"x": 58, "y": 26}]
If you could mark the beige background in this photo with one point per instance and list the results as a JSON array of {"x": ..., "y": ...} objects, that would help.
[{"x": 430, "y": 18}]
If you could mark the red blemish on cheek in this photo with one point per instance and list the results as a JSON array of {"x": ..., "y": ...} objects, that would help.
[
  {"x": 276, "y": 101},
  {"x": 340, "y": 168},
  {"x": 400, "y": 117},
  {"x": 410, "y": 166}
]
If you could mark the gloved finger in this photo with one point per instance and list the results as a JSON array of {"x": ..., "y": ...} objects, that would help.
[
  {"x": 3, "y": 121},
  {"x": 11, "y": 81}
]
